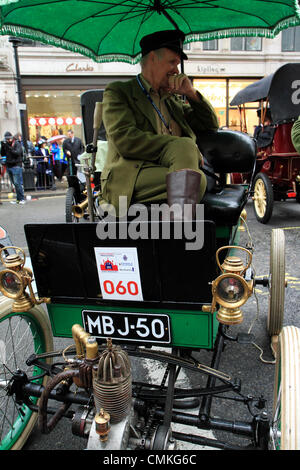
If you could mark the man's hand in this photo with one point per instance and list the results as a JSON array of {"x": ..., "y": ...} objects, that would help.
[{"x": 180, "y": 84}]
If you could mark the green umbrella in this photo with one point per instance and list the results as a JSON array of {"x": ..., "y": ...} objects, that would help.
[{"x": 111, "y": 30}]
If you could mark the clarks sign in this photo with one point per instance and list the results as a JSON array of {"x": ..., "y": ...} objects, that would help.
[{"x": 74, "y": 67}]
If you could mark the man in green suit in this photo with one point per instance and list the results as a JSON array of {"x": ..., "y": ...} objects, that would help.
[{"x": 152, "y": 152}]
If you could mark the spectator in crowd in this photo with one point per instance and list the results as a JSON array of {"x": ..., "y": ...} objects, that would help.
[
  {"x": 42, "y": 167},
  {"x": 55, "y": 150},
  {"x": 64, "y": 164},
  {"x": 2, "y": 172},
  {"x": 12, "y": 149},
  {"x": 73, "y": 147}
]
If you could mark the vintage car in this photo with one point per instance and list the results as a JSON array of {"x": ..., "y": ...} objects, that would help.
[
  {"x": 277, "y": 173},
  {"x": 119, "y": 288},
  {"x": 84, "y": 186}
]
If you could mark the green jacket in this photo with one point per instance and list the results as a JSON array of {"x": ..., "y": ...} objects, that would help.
[
  {"x": 295, "y": 134},
  {"x": 130, "y": 125}
]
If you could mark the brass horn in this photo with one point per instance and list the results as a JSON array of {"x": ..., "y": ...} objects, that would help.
[{"x": 79, "y": 209}]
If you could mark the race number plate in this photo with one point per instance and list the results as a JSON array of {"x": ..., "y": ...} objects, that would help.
[
  {"x": 138, "y": 327},
  {"x": 119, "y": 274}
]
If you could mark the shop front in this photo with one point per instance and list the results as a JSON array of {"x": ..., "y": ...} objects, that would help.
[
  {"x": 53, "y": 101},
  {"x": 53, "y": 104},
  {"x": 53, "y": 112},
  {"x": 219, "y": 92}
]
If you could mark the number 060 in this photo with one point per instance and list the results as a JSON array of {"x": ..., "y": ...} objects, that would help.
[{"x": 130, "y": 288}]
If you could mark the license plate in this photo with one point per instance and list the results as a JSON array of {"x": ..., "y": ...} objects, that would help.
[{"x": 140, "y": 327}]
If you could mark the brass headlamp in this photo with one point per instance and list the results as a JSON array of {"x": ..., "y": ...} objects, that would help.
[
  {"x": 15, "y": 278},
  {"x": 230, "y": 290}
]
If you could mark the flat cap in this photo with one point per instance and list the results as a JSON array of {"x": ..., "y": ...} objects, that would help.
[
  {"x": 8, "y": 135},
  {"x": 171, "y": 39}
]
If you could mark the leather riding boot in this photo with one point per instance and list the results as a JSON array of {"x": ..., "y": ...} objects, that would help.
[{"x": 183, "y": 187}]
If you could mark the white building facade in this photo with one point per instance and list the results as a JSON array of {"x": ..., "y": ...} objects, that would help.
[{"x": 53, "y": 79}]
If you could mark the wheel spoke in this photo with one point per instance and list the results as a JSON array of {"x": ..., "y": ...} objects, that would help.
[
  {"x": 21, "y": 334},
  {"x": 263, "y": 197}
]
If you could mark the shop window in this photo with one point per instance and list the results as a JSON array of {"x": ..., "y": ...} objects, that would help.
[
  {"x": 210, "y": 45},
  {"x": 290, "y": 39},
  {"x": 246, "y": 44},
  {"x": 187, "y": 46},
  {"x": 219, "y": 93},
  {"x": 53, "y": 112},
  {"x": 215, "y": 92},
  {"x": 234, "y": 119}
]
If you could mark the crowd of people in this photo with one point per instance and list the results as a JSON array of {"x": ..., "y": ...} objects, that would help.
[{"x": 50, "y": 159}]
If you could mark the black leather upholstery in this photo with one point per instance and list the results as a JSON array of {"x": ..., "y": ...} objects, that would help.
[
  {"x": 224, "y": 207},
  {"x": 228, "y": 151}
]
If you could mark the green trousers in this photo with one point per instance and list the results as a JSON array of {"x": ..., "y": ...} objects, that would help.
[{"x": 150, "y": 185}]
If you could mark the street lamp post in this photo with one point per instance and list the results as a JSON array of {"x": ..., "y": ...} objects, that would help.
[{"x": 15, "y": 43}]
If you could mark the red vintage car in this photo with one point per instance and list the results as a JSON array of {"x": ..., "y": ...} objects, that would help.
[{"x": 277, "y": 173}]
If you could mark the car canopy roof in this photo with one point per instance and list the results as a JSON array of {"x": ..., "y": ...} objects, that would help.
[{"x": 281, "y": 88}]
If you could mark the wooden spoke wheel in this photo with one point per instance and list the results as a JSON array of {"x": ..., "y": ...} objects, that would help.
[
  {"x": 285, "y": 429},
  {"x": 277, "y": 282},
  {"x": 21, "y": 334},
  {"x": 263, "y": 198}
]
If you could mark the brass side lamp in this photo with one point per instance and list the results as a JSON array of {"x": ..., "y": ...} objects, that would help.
[
  {"x": 15, "y": 278},
  {"x": 230, "y": 290}
]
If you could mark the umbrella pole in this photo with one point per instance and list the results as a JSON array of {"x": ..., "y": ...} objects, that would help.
[
  {"x": 87, "y": 173},
  {"x": 166, "y": 14}
]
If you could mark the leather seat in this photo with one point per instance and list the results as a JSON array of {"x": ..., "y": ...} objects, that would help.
[{"x": 225, "y": 207}]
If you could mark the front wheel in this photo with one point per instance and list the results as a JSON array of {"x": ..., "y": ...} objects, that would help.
[
  {"x": 70, "y": 202},
  {"x": 285, "y": 430},
  {"x": 21, "y": 334},
  {"x": 297, "y": 192},
  {"x": 263, "y": 198},
  {"x": 277, "y": 282}
]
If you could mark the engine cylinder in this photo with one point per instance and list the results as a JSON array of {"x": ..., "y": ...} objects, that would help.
[{"x": 112, "y": 383}]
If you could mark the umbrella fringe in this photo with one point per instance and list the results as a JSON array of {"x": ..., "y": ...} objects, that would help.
[
  {"x": 20, "y": 31},
  {"x": 244, "y": 32},
  {"x": 7, "y": 2}
]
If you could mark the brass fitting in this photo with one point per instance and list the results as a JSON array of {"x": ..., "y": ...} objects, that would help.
[
  {"x": 15, "y": 278},
  {"x": 86, "y": 345},
  {"x": 243, "y": 218},
  {"x": 102, "y": 420}
]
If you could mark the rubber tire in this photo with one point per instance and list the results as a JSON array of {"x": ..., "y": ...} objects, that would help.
[
  {"x": 286, "y": 405},
  {"x": 161, "y": 437},
  {"x": 70, "y": 202},
  {"x": 277, "y": 282},
  {"x": 44, "y": 341},
  {"x": 298, "y": 192},
  {"x": 263, "y": 206}
]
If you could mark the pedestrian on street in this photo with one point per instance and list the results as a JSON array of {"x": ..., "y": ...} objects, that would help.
[
  {"x": 43, "y": 180},
  {"x": 56, "y": 159},
  {"x": 73, "y": 147},
  {"x": 12, "y": 149}
]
